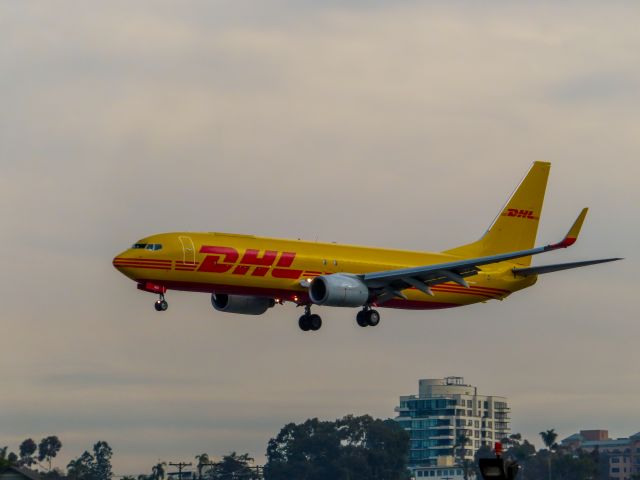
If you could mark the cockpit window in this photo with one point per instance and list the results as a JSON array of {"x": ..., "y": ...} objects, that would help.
[{"x": 147, "y": 246}]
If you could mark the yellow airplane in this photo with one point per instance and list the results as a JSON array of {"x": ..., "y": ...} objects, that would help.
[{"x": 248, "y": 275}]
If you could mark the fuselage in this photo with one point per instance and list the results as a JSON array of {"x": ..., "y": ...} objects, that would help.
[{"x": 281, "y": 269}]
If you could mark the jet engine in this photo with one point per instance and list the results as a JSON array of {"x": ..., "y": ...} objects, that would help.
[
  {"x": 338, "y": 290},
  {"x": 242, "y": 304}
]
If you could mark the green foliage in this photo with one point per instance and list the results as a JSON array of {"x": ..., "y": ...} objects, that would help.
[
  {"x": 92, "y": 467},
  {"x": 102, "y": 454},
  {"x": 7, "y": 459},
  {"x": 233, "y": 466},
  {"x": 81, "y": 468},
  {"x": 203, "y": 461},
  {"x": 554, "y": 461},
  {"x": 27, "y": 449},
  {"x": 351, "y": 448},
  {"x": 549, "y": 438},
  {"x": 158, "y": 471},
  {"x": 48, "y": 448}
]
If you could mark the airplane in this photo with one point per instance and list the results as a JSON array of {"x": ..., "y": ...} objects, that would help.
[{"x": 247, "y": 274}]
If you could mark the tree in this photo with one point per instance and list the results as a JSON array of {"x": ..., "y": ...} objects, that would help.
[
  {"x": 157, "y": 472},
  {"x": 102, "y": 454},
  {"x": 461, "y": 441},
  {"x": 549, "y": 439},
  {"x": 203, "y": 460},
  {"x": 7, "y": 459},
  {"x": 233, "y": 466},
  {"x": 27, "y": 449},
  {"x": 82, "y": 467},
  {"x": 48, "y": 449},
  {"x": 351, "y": 448},
  {"x": 92, "y": 467},
  {"x": 579, "y": 465}
]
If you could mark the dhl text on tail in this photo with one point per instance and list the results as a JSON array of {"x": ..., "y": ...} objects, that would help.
[{"x": 248, "y": 275}]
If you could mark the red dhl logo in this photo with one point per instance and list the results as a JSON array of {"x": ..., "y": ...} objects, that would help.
[
  {"x": 514, "y": 212},
  {"x": 225, "y": 259}
]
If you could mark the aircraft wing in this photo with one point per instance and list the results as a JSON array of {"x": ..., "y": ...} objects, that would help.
[
  {"x": 525, "y": 272},
  {"x": 390, "y": 283}
]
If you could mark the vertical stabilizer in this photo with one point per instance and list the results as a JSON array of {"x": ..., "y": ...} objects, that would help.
[{"x": 516, "y": 226}]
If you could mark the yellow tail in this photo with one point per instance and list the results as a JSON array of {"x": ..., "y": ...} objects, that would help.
[{"x": 516, "y": 226}]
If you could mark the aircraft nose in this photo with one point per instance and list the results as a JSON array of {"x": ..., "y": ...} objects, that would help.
[{"x": 119, "y": 261}]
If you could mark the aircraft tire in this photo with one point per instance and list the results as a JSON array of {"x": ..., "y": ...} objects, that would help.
[
  {"x": 161, "y": 305},
  {"x": 361, "y": 318},
  {"x": 315, "y": 322},
  {"x": 373, "y": 318},
  {"x": 303, "y": 323}
]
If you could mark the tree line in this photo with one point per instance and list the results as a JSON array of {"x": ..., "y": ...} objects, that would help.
[{"x": 350, "y": 448}]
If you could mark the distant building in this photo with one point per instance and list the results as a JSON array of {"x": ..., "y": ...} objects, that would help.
[
  {"x": 18, "y": 473},
  {"x": 623, "y": 453},
  {"x": 445, "y": 470},
  {"x": 444, "y": 409}
]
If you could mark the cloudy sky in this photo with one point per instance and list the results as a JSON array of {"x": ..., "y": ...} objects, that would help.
[{"x": 401, "y": 124}]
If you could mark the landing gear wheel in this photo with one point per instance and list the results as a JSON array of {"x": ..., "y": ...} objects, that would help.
[
  {"x": 315, "y": 322},
  {"x": 373, "y": 317},
  {"x": 361, "y": 318},
  {"x": 161, "y": 304},
  {"x": 304, "y": 324}
]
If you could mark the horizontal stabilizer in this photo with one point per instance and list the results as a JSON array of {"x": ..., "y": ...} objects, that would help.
[{"x": 525, "y": 272}]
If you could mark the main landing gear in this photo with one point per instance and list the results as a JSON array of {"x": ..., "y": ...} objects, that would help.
[
  {"x": 367, "y": 317},
  {"x": 161, "y": 304},
  {"x": 309, "y": 321}
]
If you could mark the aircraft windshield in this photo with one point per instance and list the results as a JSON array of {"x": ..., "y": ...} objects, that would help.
[{"x": 147, "y": 246}]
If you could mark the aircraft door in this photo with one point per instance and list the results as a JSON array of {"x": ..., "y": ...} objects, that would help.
[{"x": 188, "y": 250}]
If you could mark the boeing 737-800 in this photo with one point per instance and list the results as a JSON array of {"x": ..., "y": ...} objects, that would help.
[{"x": 246, "y": 274}]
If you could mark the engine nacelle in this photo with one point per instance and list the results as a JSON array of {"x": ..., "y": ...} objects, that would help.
[
  {"x": 338, "y": 290},
  {"x": 243, "y": 304}
]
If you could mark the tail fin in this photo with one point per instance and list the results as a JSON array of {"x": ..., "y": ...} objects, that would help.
[{"x": 516, "y": 226}]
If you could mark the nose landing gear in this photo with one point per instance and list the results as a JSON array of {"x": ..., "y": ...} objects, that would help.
[{"x": 161, "y": 304}]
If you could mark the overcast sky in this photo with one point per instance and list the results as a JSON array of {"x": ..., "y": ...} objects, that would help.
[{"x": 400, "y": 124}]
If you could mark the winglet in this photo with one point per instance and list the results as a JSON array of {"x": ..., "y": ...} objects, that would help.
[{"x": 573, "y": 233}]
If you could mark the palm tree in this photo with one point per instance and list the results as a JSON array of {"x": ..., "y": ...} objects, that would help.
[
  {"x": 203, "y": 459},
  {"x": 549, "y": 439},
  {"x": 461, "y": 441},
  {"x": 157, "y": 472}
]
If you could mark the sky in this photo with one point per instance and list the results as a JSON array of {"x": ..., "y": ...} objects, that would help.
[{"x": 399, "y": 124}]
